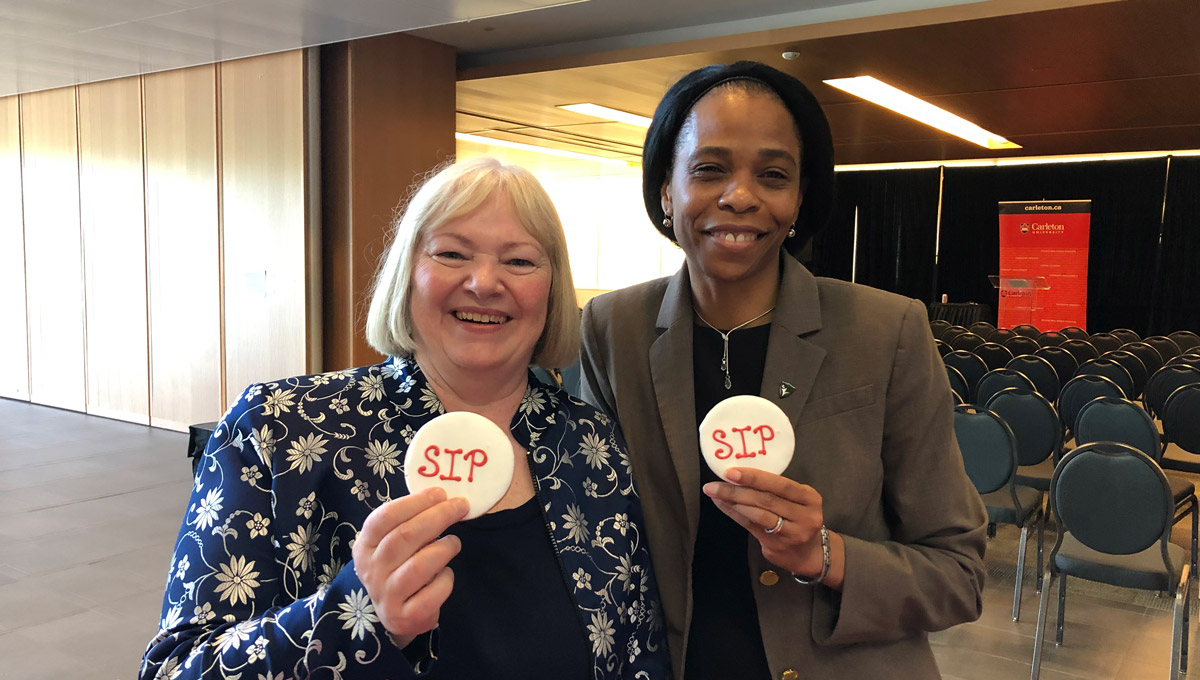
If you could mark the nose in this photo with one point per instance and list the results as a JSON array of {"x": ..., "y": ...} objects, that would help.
[
  {"x": 485, "y": 279},
  {"x": 739, "y": 195}
]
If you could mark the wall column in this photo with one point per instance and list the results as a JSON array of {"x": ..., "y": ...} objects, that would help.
[{"x": 387, "y": 110}]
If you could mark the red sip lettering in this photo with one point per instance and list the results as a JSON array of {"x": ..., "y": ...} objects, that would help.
[
  {"x": 724, "y": 450},
  {"x": 766, "y": 434},
  {"x": 450, "y": 476},
  {"x": 745, "y": 453},
  {"x": 432, "y": 448},
  {"x": 477, "y": 458}
]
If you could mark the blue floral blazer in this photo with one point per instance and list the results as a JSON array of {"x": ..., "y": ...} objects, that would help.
[{"x": 261, "y": 585}]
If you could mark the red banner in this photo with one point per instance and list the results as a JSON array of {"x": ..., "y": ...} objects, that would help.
[{"x": 1044, "y": 263}]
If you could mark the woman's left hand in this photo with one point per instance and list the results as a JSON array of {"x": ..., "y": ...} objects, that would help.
[{"x": 757, "y": 500}]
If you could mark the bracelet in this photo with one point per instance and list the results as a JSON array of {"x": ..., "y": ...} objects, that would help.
[{"x": 825, "y": 559}]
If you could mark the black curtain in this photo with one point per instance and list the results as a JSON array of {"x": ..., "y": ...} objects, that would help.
[
  {"x": 1126, "y": 208},
  {"x": 897, "y": 230},
  {"x": 1178, "y": 300}
]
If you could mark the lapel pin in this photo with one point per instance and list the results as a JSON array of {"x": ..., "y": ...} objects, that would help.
[{"x": 786, "y": 389}]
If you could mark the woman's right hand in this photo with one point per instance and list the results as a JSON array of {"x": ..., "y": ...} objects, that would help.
[{"x": 401, "y": 560}]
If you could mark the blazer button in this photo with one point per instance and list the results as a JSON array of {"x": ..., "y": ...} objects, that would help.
[
  {"x": 768, "y": 578},
  {"x": 789, "y": 674}
]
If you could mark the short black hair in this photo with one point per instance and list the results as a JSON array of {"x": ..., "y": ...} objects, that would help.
[{"x": 816, "y": 142}]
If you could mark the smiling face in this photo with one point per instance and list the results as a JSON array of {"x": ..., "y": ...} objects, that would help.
[
  {"x": 735, "y": 187},
  {"x": 480, "y": 291}
]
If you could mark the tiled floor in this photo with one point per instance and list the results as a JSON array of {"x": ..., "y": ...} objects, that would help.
[{"x": 89, "y": 510}]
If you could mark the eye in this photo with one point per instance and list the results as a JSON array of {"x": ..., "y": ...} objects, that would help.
[
  {"x": 776, "y": 175},
  {"x": 706, "y": 170},
  {"x": 520, "y": 262},
  {"x": 449, "y": 255}
]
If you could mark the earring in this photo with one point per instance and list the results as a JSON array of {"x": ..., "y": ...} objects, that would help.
[
  {"x": 666, "y": 222},
  {"x": 792, "y": 231}
]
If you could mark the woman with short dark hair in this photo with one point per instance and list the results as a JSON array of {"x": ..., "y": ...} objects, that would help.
[{"x": 873, "y": 536}]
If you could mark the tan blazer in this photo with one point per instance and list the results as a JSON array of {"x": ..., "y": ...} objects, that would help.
[{"x": 874, "y": 435}]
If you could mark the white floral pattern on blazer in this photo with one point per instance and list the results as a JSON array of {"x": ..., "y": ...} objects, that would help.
[{"x": 261, "y": 585}]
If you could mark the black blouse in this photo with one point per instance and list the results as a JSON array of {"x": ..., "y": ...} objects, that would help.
[
  {"x": 509, "y": 585},
  {"x": 724, "y": 640}
]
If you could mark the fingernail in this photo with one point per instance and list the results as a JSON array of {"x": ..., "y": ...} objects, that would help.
[
  {"x": 710, "y": 489},
  {"x": 462, "y": 505},
  {"x": 734, "y": 476},
  {"x": 437, "y": 494}
]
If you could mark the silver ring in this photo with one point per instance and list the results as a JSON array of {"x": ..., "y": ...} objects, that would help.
[{"x": 777, "y": 527}]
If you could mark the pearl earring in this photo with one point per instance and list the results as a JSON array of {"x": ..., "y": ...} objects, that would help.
[
  {"x": 792, "y": 232},
  {"x": 666, "y": 222}
]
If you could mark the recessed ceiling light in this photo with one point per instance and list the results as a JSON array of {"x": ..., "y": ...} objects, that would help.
[
  {"x": 901, "y": 102},
  {"x": 563, "y": 153},
  {"x": 597, "y": 111}
]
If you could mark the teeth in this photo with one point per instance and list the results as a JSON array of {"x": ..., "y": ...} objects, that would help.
[
  {"x": 730, "y": 237},
  {"x": 479, "y": 318}
]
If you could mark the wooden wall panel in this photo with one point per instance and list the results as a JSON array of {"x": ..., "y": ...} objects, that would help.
[
  {"x": 53, "y": 250},
  {"x": 182, "y": 231},
  {"x": 14, "y": 345},
  {"x": 264, "y": 216},
  {"x": 112, "y": 209}
]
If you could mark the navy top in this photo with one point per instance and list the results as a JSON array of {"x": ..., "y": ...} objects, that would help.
[
  {"x": 724, "y": 640},
  {"x": 507, "y": 582}
]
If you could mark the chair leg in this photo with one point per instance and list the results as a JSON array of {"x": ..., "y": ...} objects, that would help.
[
  {"x": 1039, "y": 635},
  {"x": 1062, "y": 606},
  {"x": 1041, "y": 542},
  {"x": 1020, "y": 572},
  {"x": 1179, "y": 627},
  {"x": 1195, "y": 527}
]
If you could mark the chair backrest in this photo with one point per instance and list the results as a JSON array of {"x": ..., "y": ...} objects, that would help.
[
  {"x": 971, "y": 366},
  {"x": 1112, "y": 499},
  {"x": 1039, "y": 371},
  {"x": 1051, "y": 339},
  {"x": 1064, "y": 362},
  {"x": 936, "y": 326},
  {"x": 1186, "y": 340},
  {"x": 1105, "y": 342},
  {"x": 1082, "y": 350},
  {"x": 1075, "y": 333},
  {"x": 1181, "y": 418},
  {"x": 998, "y": 379},
  {"x": 967, "y": 341},
  {"x": 981, "y": 328},
  {"x": 958, "y": 384},
  {"x": 1150, "y": 357},
  {"x": 1109, "y": 369},
  {"x": 942, "y": 348},
  {"x": 1000, "y": 335},
  {"x": 1027, "y": 330},
  {"x": 1187, "y": 359},
  {"x": 1108, "y": 419},
  {"x": 994, "y": 355},
  {"x": 988, "y": 448},
  {"x": 1125, "y": 335},
  {"x": 1165, "y": 346},
  {"x": 1134, "y": 366},
  {"x": 1079, "y": 391},
  {"x": 950, "y": 333},
  {"x": 1022, "y": 345},
  {"x": 1165, "y": 381},
  {"x": 1032, "y": 419}
]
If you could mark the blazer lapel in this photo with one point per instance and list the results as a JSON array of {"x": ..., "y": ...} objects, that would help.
[
  {"x": 674, "y": 389},
  {"x": 793, "y": 362}
]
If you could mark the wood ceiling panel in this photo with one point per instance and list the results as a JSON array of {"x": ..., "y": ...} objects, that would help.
[{"x": 1098, "y": 78}]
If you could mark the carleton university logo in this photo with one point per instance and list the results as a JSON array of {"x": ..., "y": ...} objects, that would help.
[{"x": 1024, "y": 227}]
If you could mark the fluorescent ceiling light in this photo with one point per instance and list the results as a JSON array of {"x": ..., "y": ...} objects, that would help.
[
  {"x": 920, "y": 110},
  {"x": 1023, "y": 160},
  {"x": 597, "y": 111},
  {"x": 563, "y": 153}
]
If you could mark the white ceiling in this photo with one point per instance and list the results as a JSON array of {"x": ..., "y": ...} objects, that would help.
[{"x": 53, "y": 43}]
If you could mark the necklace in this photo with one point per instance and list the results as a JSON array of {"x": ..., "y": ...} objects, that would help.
[{"x": 725, "y": 337}]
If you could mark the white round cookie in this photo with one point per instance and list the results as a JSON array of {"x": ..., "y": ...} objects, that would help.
[
  {"x": 747, "y": 431},
  {"x": 463, "y": 453}
]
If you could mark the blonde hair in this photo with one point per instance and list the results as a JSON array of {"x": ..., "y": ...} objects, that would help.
[{"x": 450, "y": 193}]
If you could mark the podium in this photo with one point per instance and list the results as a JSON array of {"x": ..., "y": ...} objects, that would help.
[{"x": 1018, "y": 296}]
